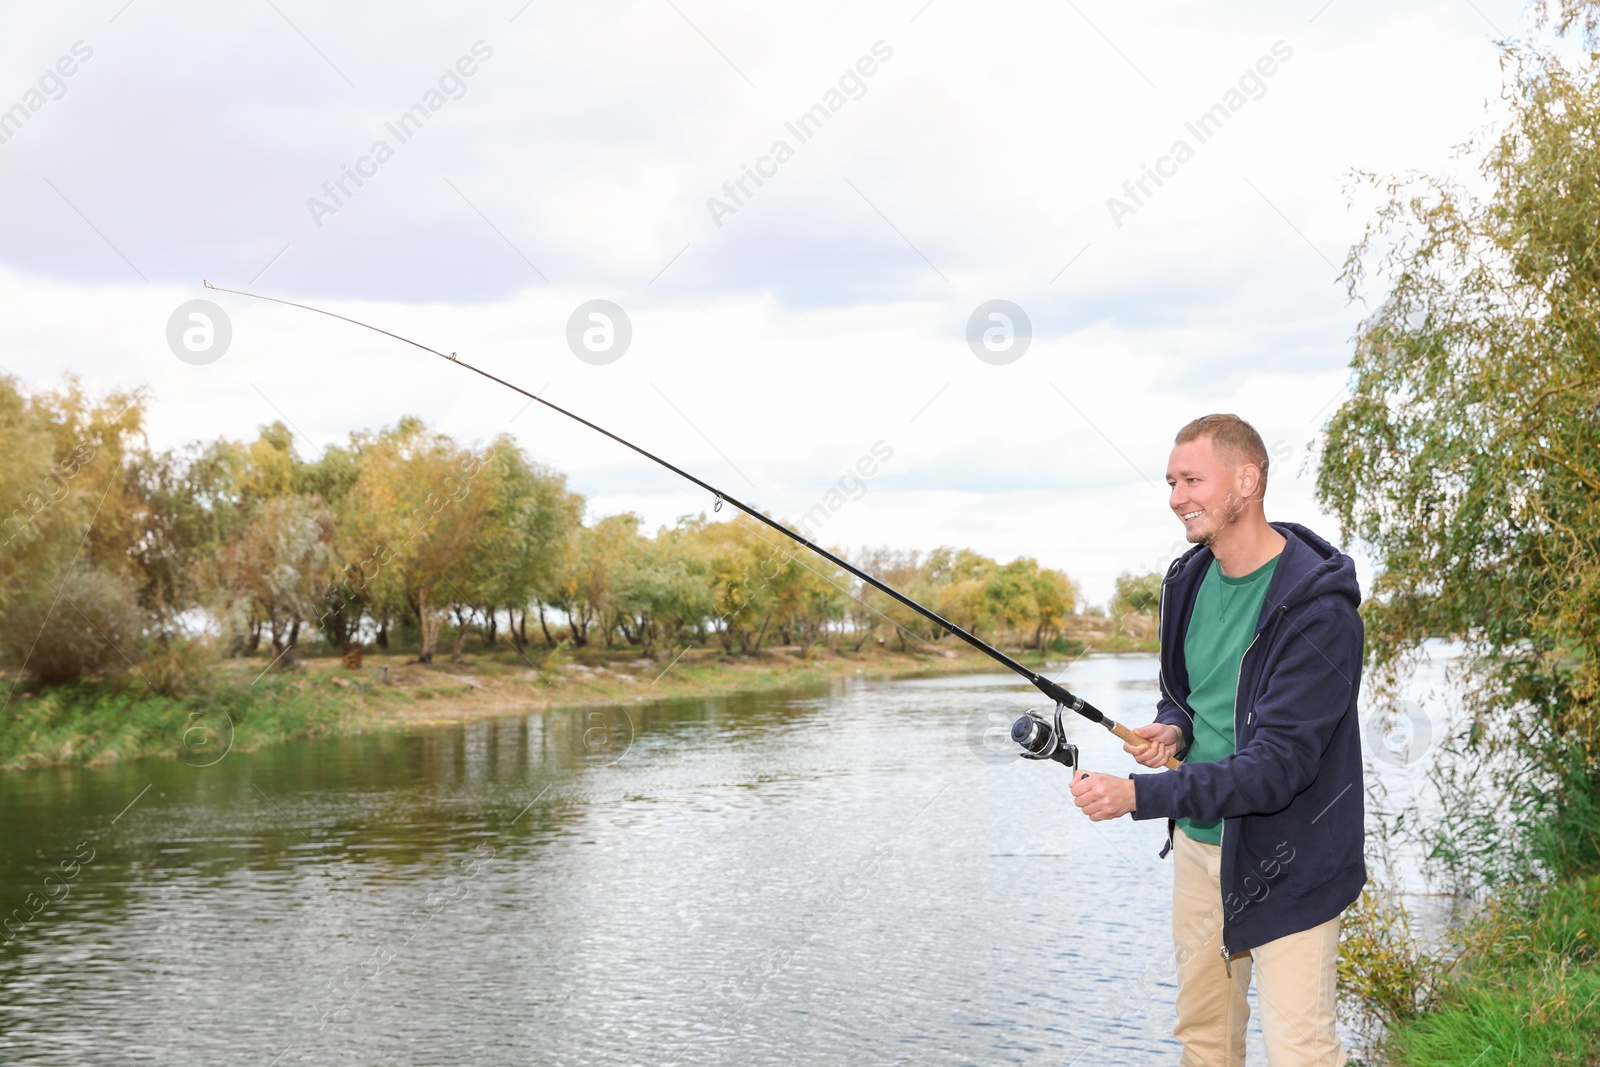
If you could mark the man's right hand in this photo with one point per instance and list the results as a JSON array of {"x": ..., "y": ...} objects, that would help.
[{"x": 1164, "y": 738}]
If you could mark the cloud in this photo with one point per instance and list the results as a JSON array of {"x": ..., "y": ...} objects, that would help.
[{"x": 827, "y": 313}]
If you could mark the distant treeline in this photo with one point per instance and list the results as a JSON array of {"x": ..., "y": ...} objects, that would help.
[{"x": 114, "y": 548}]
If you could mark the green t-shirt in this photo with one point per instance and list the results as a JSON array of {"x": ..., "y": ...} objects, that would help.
[{"x": 1220, "y": 629}]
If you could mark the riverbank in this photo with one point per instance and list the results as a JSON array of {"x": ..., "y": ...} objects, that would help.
[
  {"x": 1534, "y": 999},
  {"x": 240, "y": 705}
]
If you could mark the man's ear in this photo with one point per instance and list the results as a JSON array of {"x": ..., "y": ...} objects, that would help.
[{"x": 1249, "y": 481}]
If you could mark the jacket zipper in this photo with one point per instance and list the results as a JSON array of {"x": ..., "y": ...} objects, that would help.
[
  {"x": 1161, "y": 675},
  {"x": 1227, "y": 957}
]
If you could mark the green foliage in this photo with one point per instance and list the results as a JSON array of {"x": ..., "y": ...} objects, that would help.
[
  {"x": 1136, "y": 594},
  {"x": 415, "y": 521},
  {"x": 669, "y": 597},
  {"x": 178, "y": 667},
  {"x": 1387, "y": 975},
  {"x": 85, "y": 624},
  {"x": 871, "y": 610},
  {"x": 1381, "y": 970},
  {"x": 527, "y": 541},
  {"x": 280, "y": 564},
  {"x": 1566, "y": 840},
  {"x": 1019, "y": 601},
  {"x": 741, "y": 564},
  {"x": 1468, "y": 459},
  {"x": 812, "y": 595},
  {"x": 1391, "y": 981},
  {"x": 187, "y": 507},
  {"x": 1551, "y": 1019},
  {"x": 1531, "y": 997},
  {"x": 1515, "y": 987},
  {"x": 600, "y": 582},
  {"x": 69, "y": 587},
  {"x": 405, "y": 530},
  {"x": 1468, "y": 454},
  {"x": 92, "y": 723}
]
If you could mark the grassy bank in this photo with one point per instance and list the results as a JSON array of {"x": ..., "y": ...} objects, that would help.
[
  {"x": 99, "y": 723},
  {"x": 239, "y": 705},
  {"x": 1533, "y": 1001}
]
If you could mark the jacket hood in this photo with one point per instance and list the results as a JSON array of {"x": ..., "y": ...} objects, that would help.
[{"x": 1309, "y": 568}]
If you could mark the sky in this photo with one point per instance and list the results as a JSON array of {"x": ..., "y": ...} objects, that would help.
[{"x": 475, "y": 175}]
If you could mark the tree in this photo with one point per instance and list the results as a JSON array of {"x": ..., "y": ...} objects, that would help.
[
  {"x": 959, "y": 579},
  {"x": 70, "y": 575},
  {"x": 596, "y": 588},
  {"x": 810, "y": 594},
  {"x": 1136, "y": 594},
  {"x": 187, "y": 507},
  {"x": 675, "y": 584},
  {"x": 1057, "y": 597},
  {"x": 898, "y": 569},
  {"x": 1468, "y": 453},
  {"x": 1008, "y": 596},
  {"x": 1022, "y": 597},
  {"x": 741, "y": 562},
  {"x": 415, "y": 522},
  {"x": 530, "y": 530},
  {"x": 524, "y": 545},
  {"x": 282, "y": 564}
]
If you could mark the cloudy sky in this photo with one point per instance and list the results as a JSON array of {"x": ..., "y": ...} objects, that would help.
[{"x": 470, "y": 174}]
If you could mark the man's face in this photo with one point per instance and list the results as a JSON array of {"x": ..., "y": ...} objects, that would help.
[{"x": 1205, "y": 494}]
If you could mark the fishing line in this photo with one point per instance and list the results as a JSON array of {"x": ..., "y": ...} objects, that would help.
[{"x": 1047, "y": 686}]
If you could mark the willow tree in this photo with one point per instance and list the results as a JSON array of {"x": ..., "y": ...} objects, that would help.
[
  {"x": 533, "y": 519},
  {"x": 280, "y": 567},
  {"x": 1468, "y": 454},
  {"x": 959, "y": 580},
  {"x": 740, "y": 564},
  {"x": 416, "y": 521}
]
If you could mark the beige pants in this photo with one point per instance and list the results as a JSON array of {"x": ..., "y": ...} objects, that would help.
[{"x": 1296, "y": 976}]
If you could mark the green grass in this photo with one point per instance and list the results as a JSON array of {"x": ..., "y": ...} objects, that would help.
[
  {"x": 1534, "y": 1002},
  {"x": 98, "y": 723}
]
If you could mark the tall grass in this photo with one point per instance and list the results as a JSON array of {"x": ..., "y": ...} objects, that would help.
[
  {"x": 1517, "y": 980},
  {"x": 1566, "y": 840},
  {"x": 100, "y": 723},
  {"x": 1534, "y": 1001}
]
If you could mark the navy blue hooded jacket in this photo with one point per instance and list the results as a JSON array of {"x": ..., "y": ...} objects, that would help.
[{"x": 1290, "y": 798}]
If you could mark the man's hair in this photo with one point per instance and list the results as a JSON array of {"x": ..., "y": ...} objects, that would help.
[{"x": 1235, "y": 441}]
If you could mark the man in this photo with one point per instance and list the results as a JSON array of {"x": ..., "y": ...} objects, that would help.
[{"x": 1261, "y": 651}]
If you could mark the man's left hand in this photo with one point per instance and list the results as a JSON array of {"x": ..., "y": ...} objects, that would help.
[{"x": 1103, "y": 796}]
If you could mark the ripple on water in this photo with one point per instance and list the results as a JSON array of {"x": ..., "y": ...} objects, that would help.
[{"x": 832, "y": 878}]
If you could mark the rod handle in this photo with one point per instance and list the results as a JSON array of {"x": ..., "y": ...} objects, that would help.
[{"x": 1139, "y": 742}]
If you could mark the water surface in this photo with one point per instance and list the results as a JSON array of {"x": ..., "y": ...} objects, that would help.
[{"x": 843, "y": 876}]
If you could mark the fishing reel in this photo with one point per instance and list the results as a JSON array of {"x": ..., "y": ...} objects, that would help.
[{"x": 1042, "y": 739}]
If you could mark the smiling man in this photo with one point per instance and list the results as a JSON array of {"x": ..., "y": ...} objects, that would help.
[{"x": 1261, "y": 649}]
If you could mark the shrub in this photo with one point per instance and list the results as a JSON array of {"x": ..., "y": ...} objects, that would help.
[{"x": 88, "y": 623}]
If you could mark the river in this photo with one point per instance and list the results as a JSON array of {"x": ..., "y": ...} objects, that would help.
[{"x": 856, "y": 875}]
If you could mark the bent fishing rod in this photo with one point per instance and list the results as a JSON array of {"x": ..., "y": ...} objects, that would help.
[{"x": 1047, "y": 686}]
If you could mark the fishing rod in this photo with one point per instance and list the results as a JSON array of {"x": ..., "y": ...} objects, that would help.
[{"x": 1047, "y": 686}]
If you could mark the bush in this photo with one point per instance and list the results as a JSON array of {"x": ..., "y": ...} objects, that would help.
[
  {"x": 178, "y": 666},
  {"x": 88, "y": 624}
]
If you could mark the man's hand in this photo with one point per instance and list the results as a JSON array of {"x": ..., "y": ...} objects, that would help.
[
  {"x": 1102, "y": 796},
  {"x": 1164, "y": 739}
]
